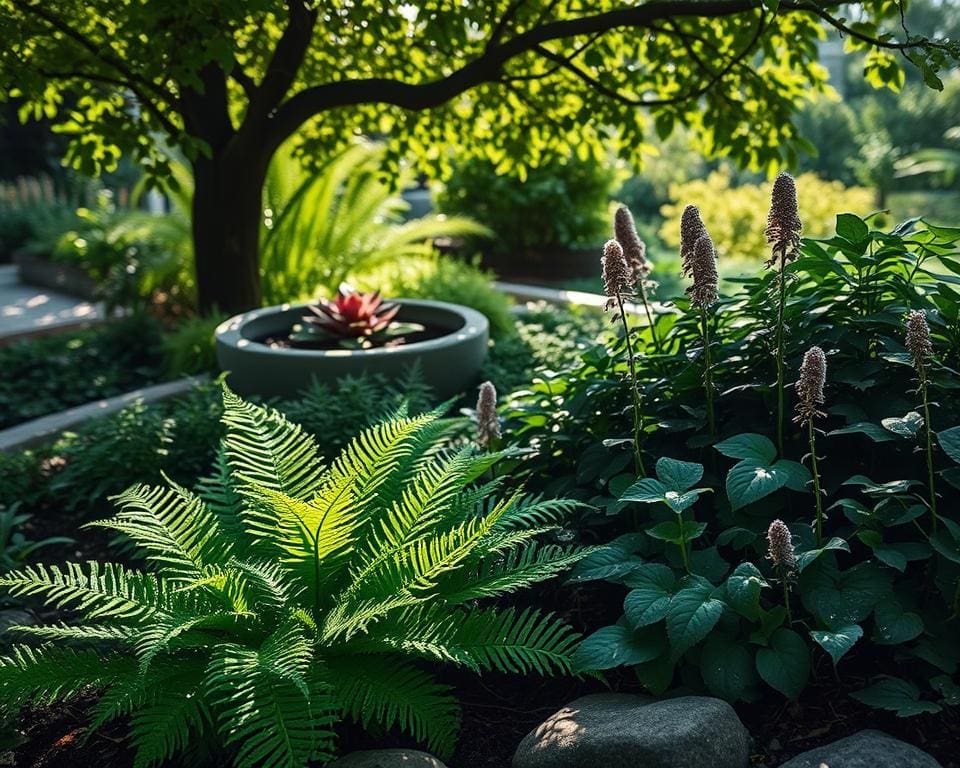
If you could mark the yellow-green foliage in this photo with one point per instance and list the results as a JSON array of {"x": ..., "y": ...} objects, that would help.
[{"x": 736, "y": 216}]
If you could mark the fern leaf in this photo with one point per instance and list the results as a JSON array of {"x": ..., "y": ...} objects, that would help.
[
  {"x": 390, "y": 691},
  {"x": 48, "y": 674},
  {"x": 164, "y": 727},
  {"x": 264, "y": 450}
]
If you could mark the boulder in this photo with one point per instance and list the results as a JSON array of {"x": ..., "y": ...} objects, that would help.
[
  {"x": 623, "y": 731},
  {"x": 865, "y": 749},
  {"x": 387, "y": 758}
]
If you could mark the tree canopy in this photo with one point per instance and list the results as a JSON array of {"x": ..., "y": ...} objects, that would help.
[{"x": 228, "y": 81}]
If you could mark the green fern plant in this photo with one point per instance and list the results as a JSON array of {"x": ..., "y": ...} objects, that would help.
[{"x": 285, "y": 595}]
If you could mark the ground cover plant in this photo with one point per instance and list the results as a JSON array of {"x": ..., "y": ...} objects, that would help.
[
  {"x": 743, "y": 568},
  {"x": 289, "y": 594}
]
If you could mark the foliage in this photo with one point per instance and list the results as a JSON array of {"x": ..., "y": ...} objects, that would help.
[
  {"x": 687, "y": 543},
  {"x": 738, "y": 213},
  {"x": 15, "y": 547},
  {"x": 189, "y": 348},
  {"x": 547, "y": 338},
  {"x": 442, "y": 278},
  {"x": 289, "y": 595},
  {"x": 322, "y": 225},
  {"x": 562, "y": 204},
  {"x": 228, "y": 83},
  {"x": 34, "y": 212},
  {"x": 46, "y": 375}
]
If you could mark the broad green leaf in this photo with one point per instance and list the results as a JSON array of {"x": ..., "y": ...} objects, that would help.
[
  {"x": 616, "y": 646},
  {"x": 893, "y": 625},
  {"x": 852, "y": 228},
  {"x": 749, "y": 446},
  {"x": 743, "y": 590},
  {"x": 785, "y": 664},
  {"x": 727, "y": 667},
  {"x": 839, "y": 599},
  {"x": 805, "y": 558},
  {"x": 949, "y": 440},
  {"x": 895, "y": 695},
  {"x": 648, "y": 490},
  {"x": 647, "y": 603},
  {"x": 678, "y": 475},
  {"x": 837, "y": 642},
  {"x": 693, "y": 612},
  {"x": 904, "y": 426},
  {"x": 770, "y": 622},
  {"x": 748, "y": 482},
  {"x": 666, "y": 531},
  {"x": 874, "y": 431}
]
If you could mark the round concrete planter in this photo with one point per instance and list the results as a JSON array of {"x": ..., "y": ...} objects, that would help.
[{"x": 449, "y": 363}]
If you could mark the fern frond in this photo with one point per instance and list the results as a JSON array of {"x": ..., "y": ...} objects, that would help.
[
  {"x": 106, "y": 591},
  {"x": 48, "y": 674},
  {"x": 482, "y": 639},
  {"x": 164, "y": 726},
  {"x": 76, "y": 633},
  {"x": 515, "y": 570},
  {"x": 173, "y": 527},
  {"x": 217, "y": 492},
  {"x": 390, "y": 691},
  {"x": 264, "y": 450}
]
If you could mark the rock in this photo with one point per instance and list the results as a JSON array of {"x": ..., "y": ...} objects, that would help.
[
  {"x": 865, "y": 749},
  {"x": 624, "y": 731},
  {"x": 387, "y": 758}
]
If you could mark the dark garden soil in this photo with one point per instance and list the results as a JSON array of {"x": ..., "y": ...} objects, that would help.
[{"x": 428, "y": 333}]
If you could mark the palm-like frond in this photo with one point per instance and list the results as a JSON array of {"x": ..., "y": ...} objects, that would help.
[{"x": 285, "y": 594}]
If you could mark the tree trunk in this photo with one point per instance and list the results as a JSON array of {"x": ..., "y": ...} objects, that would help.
[{"x": 227, "y": 200}]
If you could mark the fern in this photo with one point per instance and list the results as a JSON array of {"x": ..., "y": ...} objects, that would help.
[{"x": 286, "y": 594}]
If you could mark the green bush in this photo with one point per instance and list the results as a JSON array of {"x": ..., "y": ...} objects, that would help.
[
  {"x": 560, "y": 205},
  {"x": 47, "y": 375},
  {"x": 289, "y": 595},
  {"x": 189, "y": 348},
  {"x": 442, "y": 279},
  {"x": 873, "y": 585}
]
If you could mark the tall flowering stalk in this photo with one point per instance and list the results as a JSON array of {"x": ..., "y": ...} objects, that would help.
[
  {"x": 635, "y": 252},
  {"x": 783, "y": 236},
  {"x": 692, "y": 229},
  {"x": 780, "y": 552},
  {"x": 488, "y": 423},
  {"x": 813, "y": 376},
  {"x": 618, "y": 284},
  {"x": 921, "y": 350},
  {"x": 704, "y": 293}
]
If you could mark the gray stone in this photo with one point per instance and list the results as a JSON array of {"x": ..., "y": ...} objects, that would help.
[
  {"x": 623, "y": 731},
  {"x": 865, "y": 749},
  {"x": 387, "y": 758}
]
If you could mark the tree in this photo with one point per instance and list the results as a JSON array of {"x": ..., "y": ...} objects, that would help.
[{"x": 228, "y": 81}]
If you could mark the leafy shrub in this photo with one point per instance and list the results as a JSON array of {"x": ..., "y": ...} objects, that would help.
[
  {"x": 19, "y": 477},
  {"x": 443, "y": 279},
  {"x": 703, "y": 602},
  {"x": 738, "y": 214},
  {"x": 560, "y": 205},
  {"x": 46, "y": 375},
  {"x": 189, "y": 348},
  {"x": 34, "y": 212},
  {"x": 340, "y": 219},
  {"x": 289, "y": 595}
]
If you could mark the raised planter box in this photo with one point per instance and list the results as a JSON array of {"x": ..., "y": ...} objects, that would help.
[
  {"x": 449, "y": 364},
  {"x": 64, "y": 278}
]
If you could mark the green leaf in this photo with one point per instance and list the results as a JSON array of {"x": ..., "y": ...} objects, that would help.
[
  {"x": 748, "y": 482},
  {"x": 648, "y": 490},
  {"x": 678, "y": 475},
  {"x": 895, "y": 695},
  {"x": 616, "y": 646},
  {"x": 893, "y": 625},
  {"x": 647, "y": 603},
  {"x": 748, "y": 446},
  {"x": 949, "y": 440},
  {"x": 666, "y": 531},
  {"x": 840, "y": 599},
  {"x": 785, "y": 664},
  {"x": 693, "y": 612},
  {"x": 727, "y": 667},
  {"x": 743, "y": 590},
  {"x": 805, "y": 558},
  {"x": 852, "y": 228},
  {"x": 904, "y": 426},
  {"x": 874, "y": 431},
  {"x": 837, "y": 642}
]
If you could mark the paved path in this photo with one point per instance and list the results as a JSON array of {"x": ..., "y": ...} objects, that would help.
[{"x": 26, "y": 309}]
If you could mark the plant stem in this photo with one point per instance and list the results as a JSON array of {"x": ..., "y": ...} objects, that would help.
[
  {"x": 707, "y": 371},
  {"x": 786, "y": 595},
  {"x": 683, "y": 545},
  {"x": 781, "y": 304},
  {"x": 637, "y": 426},
  {"x": 650, "y": 322},
  {"x": 929, "y": 435},
  {"x": 816, "y": 480}
]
